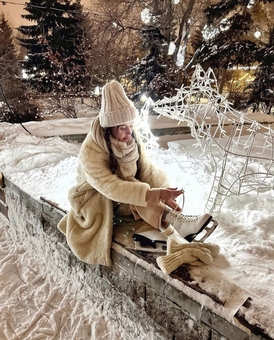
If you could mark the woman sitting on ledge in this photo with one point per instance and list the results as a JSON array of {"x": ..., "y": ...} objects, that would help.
[{"x": 116, "y": 177}]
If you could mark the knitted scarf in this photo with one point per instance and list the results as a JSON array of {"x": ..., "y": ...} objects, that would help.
[{"x": 126, "y": 155}]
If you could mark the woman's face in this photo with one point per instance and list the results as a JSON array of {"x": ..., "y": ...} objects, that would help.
[{"x": 122, "y": 132}]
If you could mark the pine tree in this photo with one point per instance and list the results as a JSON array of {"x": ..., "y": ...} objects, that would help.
[
  {"x": 263, "y": 84},
  {"x": 143, "y": 74},
  {"x": 229, "y": 38},
  {"x": 14, "y": 102},
  {"x": 7, "y": 49},
  {"x": 153, "y": 74},
  {"x": 55, "y": 60}
]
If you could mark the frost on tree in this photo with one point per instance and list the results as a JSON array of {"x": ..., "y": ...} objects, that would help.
[{"x": 242, "y": 155}]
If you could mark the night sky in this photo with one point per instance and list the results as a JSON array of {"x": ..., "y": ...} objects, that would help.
[
  {"x": 14, "y": 8},
  {"x": 12, "y": 11}
]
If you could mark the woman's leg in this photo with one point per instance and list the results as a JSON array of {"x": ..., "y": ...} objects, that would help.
[
  {"x": 152, "y": 214},
  {"x": 172, "y": 223}
]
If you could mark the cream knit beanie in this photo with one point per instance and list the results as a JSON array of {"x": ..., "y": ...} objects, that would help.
[{"x": 116, "y": 108}]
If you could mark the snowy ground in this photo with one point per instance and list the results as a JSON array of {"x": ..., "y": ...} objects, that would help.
[
  {"x": 37, "y": 304},
  {"x": 46, "y": 167}
]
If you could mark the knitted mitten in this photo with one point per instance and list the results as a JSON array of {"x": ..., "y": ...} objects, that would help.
[
  {"x": 173, "y": 246},
  {"x": 169, "y": 263},
  {"x": 195, "y": 254}
]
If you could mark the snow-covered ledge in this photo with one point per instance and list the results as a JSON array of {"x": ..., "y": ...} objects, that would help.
[{"x": 148, "y": 303}]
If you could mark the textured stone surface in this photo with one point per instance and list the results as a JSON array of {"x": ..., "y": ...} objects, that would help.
[
  {"x": 3, "y": 208},
  {"x": 149, "y": 278},
  {"x": 173, "y": 319},
  {"x": 123, "y": 262},
  {"x": 184, "y": 302},
  {"x": 222, "y": 326},
  {"x": 126, "y": 284}
]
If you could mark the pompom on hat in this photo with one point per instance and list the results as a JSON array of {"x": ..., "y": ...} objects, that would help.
[{"x": 116, "y": 108}]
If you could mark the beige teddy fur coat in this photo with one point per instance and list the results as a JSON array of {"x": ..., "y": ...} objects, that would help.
[{"x": 88, "y": 225}]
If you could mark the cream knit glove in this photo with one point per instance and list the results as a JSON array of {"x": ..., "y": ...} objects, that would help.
[
  {"x": 195, "y": 254},
  {"x": 173, "y": 246}
]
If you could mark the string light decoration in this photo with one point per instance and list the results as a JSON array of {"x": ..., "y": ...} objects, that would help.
[
  {"x": 240, "y": 149},
  {"x": 142, "y": 126}
]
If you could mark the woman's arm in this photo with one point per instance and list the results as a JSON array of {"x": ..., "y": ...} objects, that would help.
[{"x": 94, "y": 163}]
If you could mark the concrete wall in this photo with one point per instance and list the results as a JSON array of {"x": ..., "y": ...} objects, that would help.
[{"x": 134, "y": 293}]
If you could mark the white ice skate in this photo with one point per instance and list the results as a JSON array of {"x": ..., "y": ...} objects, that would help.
[
  {"x": 182, "y": 228},
  {"x": 189, "y": 227}
]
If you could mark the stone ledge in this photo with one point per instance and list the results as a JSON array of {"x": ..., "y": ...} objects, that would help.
[{"x": 139, "y": 296}]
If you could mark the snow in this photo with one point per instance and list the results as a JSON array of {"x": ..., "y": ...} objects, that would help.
[
  {"x": 47, "y": 167},
  {"x": 38, "y": 304}
]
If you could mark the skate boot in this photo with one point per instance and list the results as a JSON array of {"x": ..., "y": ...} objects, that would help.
[{"x": 185, "y": 226}]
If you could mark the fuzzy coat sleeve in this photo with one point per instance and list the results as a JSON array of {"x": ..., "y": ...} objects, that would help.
[
  {"x": 95, "y": 169},
  {"x": 88, "y": 225}
]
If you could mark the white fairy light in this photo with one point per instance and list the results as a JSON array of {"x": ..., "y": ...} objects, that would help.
[
  {"x": 146, "y": 16},
  {"x": 143, "y": 98},
  {"x": 24, "y": 74},
  {"x": 257, "y": 34},
  {"x": 142, "y": 126},
  {"x": 97, "y": 91},
  {"x": 171, "y": 48},
  {"x": 209, "y": 32}
]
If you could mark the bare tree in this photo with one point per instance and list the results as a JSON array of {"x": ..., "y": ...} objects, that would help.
[
  {"x": 113, "y": 38},
  {"x": 116, "y": 43}
]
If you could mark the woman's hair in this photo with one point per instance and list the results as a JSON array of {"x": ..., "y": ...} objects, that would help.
[{"x": 113, "y": 164}]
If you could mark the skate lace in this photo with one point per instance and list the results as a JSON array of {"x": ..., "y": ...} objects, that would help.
[{"x": 175, "y": 216}]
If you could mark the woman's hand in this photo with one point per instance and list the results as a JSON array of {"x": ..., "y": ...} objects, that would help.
[{"x": 169, "y": 195}]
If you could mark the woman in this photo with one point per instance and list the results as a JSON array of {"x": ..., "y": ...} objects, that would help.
[{"x": 116, "y": 177}]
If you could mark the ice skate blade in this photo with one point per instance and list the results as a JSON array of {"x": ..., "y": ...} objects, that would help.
[
  {"x": 159, "y": 248},
  {"x": 201, "y": 236},
  {"x": 150, "y": 241},
  {"x": 191, "y": 237},
  {"x": 206, "y": 232}
]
